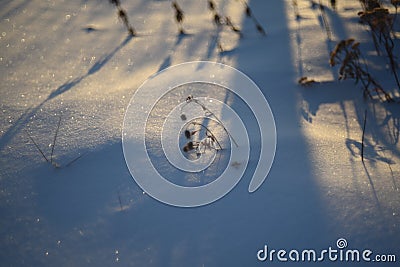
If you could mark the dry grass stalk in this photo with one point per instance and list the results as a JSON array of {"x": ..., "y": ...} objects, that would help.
[
  {"x": 123, "y": 16},
  {"x": 179, "y": 16}
]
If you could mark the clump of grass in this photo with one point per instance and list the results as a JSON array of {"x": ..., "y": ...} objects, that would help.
[
  {"x": 179, "y": 16},
  {"x": 352, "y": 66},
  {"x": 123, "y": 16}
]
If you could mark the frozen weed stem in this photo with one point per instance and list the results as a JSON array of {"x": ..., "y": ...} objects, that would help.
[
  {"x": 123, "y": 16},
  {"x": 348, "y": 55},
  {"x": 208, "y": 113},
  {"x": 220, "y": 21},
  {"x": 179, "y": 16},
  {"x": 52, "y": 145},
  {"x": 51, "y": 161},
  {"x": 249, "y": 14}
]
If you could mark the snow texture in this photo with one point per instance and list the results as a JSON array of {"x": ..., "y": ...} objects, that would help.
[{"x": 74, "y": 60}]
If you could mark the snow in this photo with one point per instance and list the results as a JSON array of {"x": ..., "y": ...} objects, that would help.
[{"x": 73, "y": 59}]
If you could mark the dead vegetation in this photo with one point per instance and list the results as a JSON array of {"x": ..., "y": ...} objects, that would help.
[
  {"x": 348, "y": 56},
  {"x": 381, "y": 22},
  {"x": 122, "y": 15}
]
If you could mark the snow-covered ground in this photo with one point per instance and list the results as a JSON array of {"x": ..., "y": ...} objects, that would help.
[{"x": 73, "y": 59}]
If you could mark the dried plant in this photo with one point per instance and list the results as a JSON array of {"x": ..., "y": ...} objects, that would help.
[
  {"x": 208, "y": 142},
  {"x": 395, "y": 3},
  {"x": 211, "y": 5},
  {"x": 207, "y": 112},
  {"x": 231, "y": 26},
  {"x": 305, "y": 81},
  {"x": 381, "y": 23},
  {"x": 363, "y": 135},
  {"x": 179, "y": 16},
  {"x": 220, "y": 21},
  {"x": 370, "y": 5},
  {"x": 295, "y": 9},
  {"x": 249, "y": 14},
  {"x": 333, "y": 4},
  {"x": 123, "y": 16},
  {"x": 52, "y": 145},
  {"x": 352, "y": 66}
]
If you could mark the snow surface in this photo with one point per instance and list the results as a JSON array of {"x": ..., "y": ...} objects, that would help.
[{"x": 73, "y": 59}]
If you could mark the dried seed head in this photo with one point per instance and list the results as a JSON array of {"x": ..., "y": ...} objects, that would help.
[
  {"x": 302, "y": 79},
  {"x": 187, "y": 134},
  {"x": 217, "y": 19},
  {"x": 349, "y": 41},
  {"x": 260, "y": 29},
  {"x": 189, "y": 98},
  {"x": 114, "y": 2},
  {"x": 355, "y": 46},
  {"x": 211, "y": 5},
  {"x": 179, "y": 16},
  {"x": 228, "y": 21},
  {"x": 188, "y": 147},
  {"x": 248, "y": 11},
  {"x": 122, "y": 13}
]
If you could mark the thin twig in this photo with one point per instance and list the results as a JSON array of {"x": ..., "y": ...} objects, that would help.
[
  {"x": 75, "y": 159},
  {"x": 249, "y": 13},
  {"x": 208, "y": 131},
  {"x": 38, "y": 148},
  {"x": 54, "y": 141},
  {"x": 179, "y": 16},
  {"x": 209, "y": 113},
  {"x": 124, "y": 17},
  {"x": 120, "y": 202},
  {"x": 296, "y": 9},
  {"x": 363, "y": 135}
]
